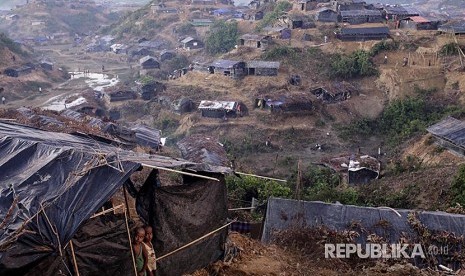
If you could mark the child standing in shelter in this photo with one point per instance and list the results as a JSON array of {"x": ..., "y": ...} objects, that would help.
[
  {"x": 140, "y": 253},
  {"x": 152, "y": 260}
]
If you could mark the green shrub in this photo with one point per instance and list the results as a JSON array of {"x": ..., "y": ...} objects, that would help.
[
  {"x": 357, "y": 64},
  {"x": 178, "y": 62},
  {"x": 382, "y": 196},
  {"x": 222, "y": 37},
  {"x": 146, "y": 79},
  {"x": 246, "y": 187},
  {"x": 271, "y": 17},
  {"x": 400, "y": 120},
  {"x": 384, "y": 45},
  {"x": 450, "y": 49},
  {"x": 280, "y": 53},
  {"x": 458, "y": 187}
]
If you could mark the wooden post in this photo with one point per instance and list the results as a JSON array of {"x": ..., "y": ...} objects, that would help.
[{"x": 74, "y": 257}]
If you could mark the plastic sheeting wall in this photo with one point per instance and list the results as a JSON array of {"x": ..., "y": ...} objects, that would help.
[
  {"x": 181, "y": 214},
  {"x": 286, "y": 213},
  {"x": 101, "y": 247}
]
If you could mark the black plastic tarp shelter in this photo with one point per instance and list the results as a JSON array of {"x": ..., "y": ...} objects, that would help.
[
  {"x": 180, "y": 214},
  {"x": 51, "y": 184}
]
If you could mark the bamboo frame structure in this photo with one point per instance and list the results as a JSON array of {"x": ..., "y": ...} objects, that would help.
[
  {"x": 194, "y": 241},
  {"x": 180, "y": 172},
  {"x": 259, "y": 176},
  {"x": 107, "y": 211},
  {"x": 130, "y": 242}
]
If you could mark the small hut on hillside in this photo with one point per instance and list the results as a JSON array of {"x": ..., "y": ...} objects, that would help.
[
  {"x": 450, "y": 133},
  {"x": 285, "y": 102},
  {"x": 149, "y": 62},
  {"x": 355, "y": 169},
  {"x": 219, "y": 109},
  {"x": 334, "y": 92}
]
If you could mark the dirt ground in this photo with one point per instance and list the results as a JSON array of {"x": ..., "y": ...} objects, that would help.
[{"x": 258, "y": 259}]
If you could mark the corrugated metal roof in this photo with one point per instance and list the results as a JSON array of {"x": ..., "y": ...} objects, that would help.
[
  {"x": 401, "y": 10},
  {"x": 457, "y": 27},
  {"x": 274, "y": 29},
  {"x": 217, "y": 105},
  {"x": 419, "y": 19},
  {"x": 253, "y": 37},
  {"x": 187, "y": 39},
  {"x": 325, "y": 9},
  {"x": 450, "y": 129},
  {"x": 224, "y": 63},
  {"x": 146, "y": 58},
  {"x": 360, "y": 13},
  {"x": 365, "y": 30},
  {"x": 263, "y": 64},
  {"x": 167, "y": 52},
  {"x": 71, "y": 114},
  {"x": 152, "y": 44},
  {"x": 202, "y": 20},
  {"x": 146, "y": 136}
]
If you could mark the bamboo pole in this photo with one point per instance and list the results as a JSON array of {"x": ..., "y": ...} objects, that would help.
[
  {"x": 54, "y": 231},
  {"x": 126, "y": 202},
  {"x": 194, "y": 241},
  {"x": 74, "y": 257},
  {"x": 243, "y": 208},
  {"x": 459, "y": 50},
  {"x": 180, "y": 172},
  {"x": 130, "y": 243},
  {"x": 107, "y": 211},
  {"x": 259, "y": 176}
]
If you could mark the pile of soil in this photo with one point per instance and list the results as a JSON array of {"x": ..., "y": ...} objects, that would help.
[{"x": 299, "y": 252}]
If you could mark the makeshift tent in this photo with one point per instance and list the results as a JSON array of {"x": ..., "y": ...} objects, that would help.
[
  {"x": 179, "y": 215},
  {"x": 51, "y": 184}
]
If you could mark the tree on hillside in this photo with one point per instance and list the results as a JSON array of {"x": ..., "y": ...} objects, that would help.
[
  {"x": 222, "y": 37},
  {"x": 271, "y": 17}
]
